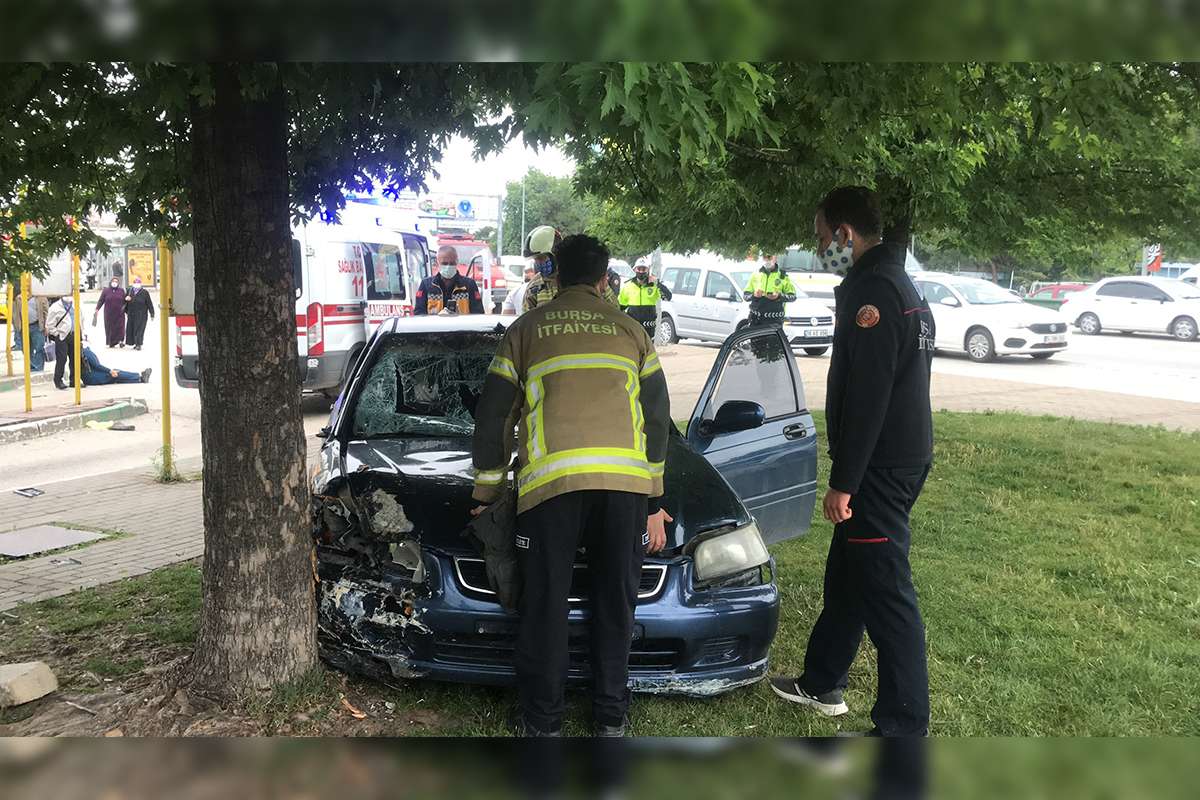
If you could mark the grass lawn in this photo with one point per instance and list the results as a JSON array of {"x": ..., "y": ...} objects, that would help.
[{"x": 1057, "y": 562}]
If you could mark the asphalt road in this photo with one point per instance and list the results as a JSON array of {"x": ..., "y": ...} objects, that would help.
[
  {"x": 1130, "y": 366},
  {"x": 1138, "y": 364}
]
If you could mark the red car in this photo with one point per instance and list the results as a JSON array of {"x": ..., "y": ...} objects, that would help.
[{"x": 1054, "y": 295}]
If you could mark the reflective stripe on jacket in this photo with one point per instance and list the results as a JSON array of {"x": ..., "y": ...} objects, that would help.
[
  {"x": 583, "y": 383},
  {"x": 762, "y": 309}
]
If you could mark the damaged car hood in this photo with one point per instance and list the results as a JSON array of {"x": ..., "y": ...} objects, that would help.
[{"x": 420, "y": 488}]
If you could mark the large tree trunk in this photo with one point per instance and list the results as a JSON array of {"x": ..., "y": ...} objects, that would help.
[{"x": 257, "y": 625}]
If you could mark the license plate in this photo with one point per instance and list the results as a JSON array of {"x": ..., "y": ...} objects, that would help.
[
  {"x": 1056, "y": 338},
  {"x": 814, "y": 333}
]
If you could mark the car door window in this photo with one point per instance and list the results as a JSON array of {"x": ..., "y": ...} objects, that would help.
[
  {"x": 1119, "y": 289},
  {"x": 417, "y": 255},
  {"x": 1144, "y": 291},
  {"x": 1045, "y": 294},
  {"x": 385, "y": 273},
  {"x": 717, "y": 283},
  {"x": 757, "y": 369},
  {"x": 933, "y": 292},
  {"x": 686, "y": 281}
]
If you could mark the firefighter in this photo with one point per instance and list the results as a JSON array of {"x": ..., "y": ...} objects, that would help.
[
  {"x": 449, "y": 289},
  {"x": 641, "y": 296},
  {"x": 768, "y": 291},
  {"x": 881, "y": 444},
  {"x": 539, "y": 246},
  {"x": 584, "y": 381}
]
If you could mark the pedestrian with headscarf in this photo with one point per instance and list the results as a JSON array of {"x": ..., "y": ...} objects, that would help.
[
  {"x": 138, "y": 306},
  {"x": 112, "y": 300}
]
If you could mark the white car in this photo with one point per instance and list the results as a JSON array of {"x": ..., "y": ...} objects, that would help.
[
  {"x": 706, "y": 303},
  {"x": 1136, "y": 303},
  {"x": 984, "y": 320}
]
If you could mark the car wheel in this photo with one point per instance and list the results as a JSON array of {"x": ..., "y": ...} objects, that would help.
[
  {"x": 1184, "y": 329},
  {"x": 1089, "y": 323},
  {"x": 1041, "y": 356},
  {"x": 816, "y": 351},
  {"x": 980, "y": 346},
  {"x": 666, "y": 331}
]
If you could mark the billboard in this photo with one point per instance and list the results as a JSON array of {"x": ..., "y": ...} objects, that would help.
[{"x": 139, "y": 263}]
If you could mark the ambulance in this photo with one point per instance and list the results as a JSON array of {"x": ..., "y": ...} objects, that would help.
[{"x": 349, "y": 277}]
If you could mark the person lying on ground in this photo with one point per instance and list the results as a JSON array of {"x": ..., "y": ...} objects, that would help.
[{"x": 96, "y": 374}]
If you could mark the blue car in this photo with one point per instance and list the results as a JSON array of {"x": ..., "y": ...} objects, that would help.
[{"x": 402, "y": 594}]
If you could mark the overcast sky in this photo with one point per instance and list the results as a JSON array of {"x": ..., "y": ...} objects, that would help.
[{"x": 460, "y": 172}]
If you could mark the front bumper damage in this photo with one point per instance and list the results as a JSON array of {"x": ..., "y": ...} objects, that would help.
[{"x": 389, "y": 609}]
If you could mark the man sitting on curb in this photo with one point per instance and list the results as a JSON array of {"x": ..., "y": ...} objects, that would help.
[{"x": 96, "y": 374}]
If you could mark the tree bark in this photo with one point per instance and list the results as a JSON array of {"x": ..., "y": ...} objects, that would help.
[{"x": 258, "y": 620}]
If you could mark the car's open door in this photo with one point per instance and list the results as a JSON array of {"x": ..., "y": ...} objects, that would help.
[{"x": 752, "y": 424}]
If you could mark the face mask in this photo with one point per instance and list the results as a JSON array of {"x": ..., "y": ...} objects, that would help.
[
  {"x": 641, "y": 276},
  {"x": 835, "y": 258},
  {"x": 114, "y": 284},
  {"x": 546, "y": 268},
  {"x": 137, "y": 286},
  {"x": 447, "y": 271}
]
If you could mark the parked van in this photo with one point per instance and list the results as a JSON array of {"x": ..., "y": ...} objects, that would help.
[
  {"x": 706, "y": 303},
  {"x": 349, "y": 278}
]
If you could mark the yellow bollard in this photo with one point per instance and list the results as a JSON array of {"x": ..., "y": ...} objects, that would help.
[
  {"x": 78, "y": 349},
  {"x": 26, "y": 290},
  {"x": 8, "y": 330},
  {"x": 165, "y": 267}
]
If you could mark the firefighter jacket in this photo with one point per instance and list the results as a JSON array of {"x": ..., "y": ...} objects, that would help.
[
  {"x": 461, "y": 296},
  {"x": 640, "y": 301},
  {"x": 764, "y": 311},
  {"x": 877, "y": 409},
  {"x": 542, "y": 290},
  {"x": 584, "y": 384}
]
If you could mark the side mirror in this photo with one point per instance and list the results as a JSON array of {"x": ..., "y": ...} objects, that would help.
[
  {"x": 950, "y": 301},
  {"x": 734, "y": 416},
  {"x": 723, "y": 296}
]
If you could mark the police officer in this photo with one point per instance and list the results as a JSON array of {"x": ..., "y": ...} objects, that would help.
[
  {"x": 449, "y": 289},
  {"x": 539, "y": 246},
  {"x": 768, "y": 291},
  {"x": 881, "y": 444},
  {"x": 561, "y": 367},
  {"x": 641, "y": 296}
]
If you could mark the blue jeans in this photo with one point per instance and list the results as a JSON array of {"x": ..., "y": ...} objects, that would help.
[{"x": 37, "y": 356}]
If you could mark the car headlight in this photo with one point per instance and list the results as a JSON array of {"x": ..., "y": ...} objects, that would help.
[{"x": 728, "y": 553}]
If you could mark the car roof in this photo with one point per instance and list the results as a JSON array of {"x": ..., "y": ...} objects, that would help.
[{"x": 448, "y": 323}]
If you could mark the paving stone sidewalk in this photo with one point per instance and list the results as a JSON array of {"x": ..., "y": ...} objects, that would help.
[{"x": 164, "y": 523}]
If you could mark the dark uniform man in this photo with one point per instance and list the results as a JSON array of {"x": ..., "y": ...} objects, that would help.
[
  {"x": 640, "y": 297},
  {"x": 539, "y": 246},
  {"x": 592, "y": 440},
  {"x": 881, "y": 444},
  {"x": 449, "y": 289},
  {"x": 768, "y": 291}
]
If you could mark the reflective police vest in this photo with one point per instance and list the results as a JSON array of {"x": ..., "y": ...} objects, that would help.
[
  {"x": 640, "y": 301},
  {"x": 764, "y": 311}
]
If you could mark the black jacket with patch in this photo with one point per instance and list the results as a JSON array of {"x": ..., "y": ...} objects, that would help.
[{"x": 877, "y": 408}]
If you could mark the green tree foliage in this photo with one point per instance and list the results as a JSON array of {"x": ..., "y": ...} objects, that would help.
[
  {"x": 1043, "y": 162},
  {"x": 548, "y": 200}
]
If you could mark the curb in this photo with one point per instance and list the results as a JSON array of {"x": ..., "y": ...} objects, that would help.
[
  {"x": 17, "y": 382},
  {"x": 122, "y": 409}
]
